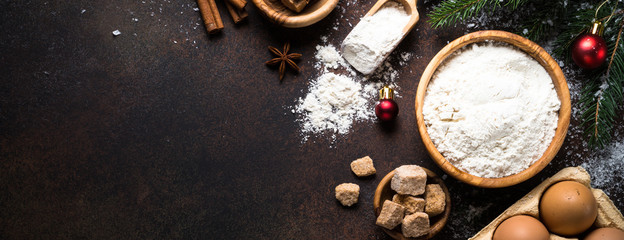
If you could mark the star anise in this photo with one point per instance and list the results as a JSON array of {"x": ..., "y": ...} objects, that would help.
[{"x": 283, "y": 58}]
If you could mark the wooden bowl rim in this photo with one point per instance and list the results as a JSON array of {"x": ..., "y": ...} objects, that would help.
[
  {"x": 296, "y": 21},
  {"x": 443, "y": 217},
  {"x": 561, "y": 87}
]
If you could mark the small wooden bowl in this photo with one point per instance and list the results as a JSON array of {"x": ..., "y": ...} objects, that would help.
[
  {"x": 281, "y": 15},
  {"x": 384, "y": 192},
  {"x": 561, "y": 87}
]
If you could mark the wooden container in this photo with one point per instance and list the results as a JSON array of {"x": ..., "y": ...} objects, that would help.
[
  {"x": 608, "y": 214},
  {"x": 384, "y": 192},
  {"x": 561, "y": 87},
  {"x": 275, "y": 11}
]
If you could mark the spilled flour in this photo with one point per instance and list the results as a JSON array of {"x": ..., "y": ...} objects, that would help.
[
  {"x": 333, "y": 103},
  {"x": 328, "y": 58},
  {"x": 606, "y": 168},
  {"x": 339, "y": 96}
]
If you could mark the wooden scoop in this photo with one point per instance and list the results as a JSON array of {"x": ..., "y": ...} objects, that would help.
[
  {"x": 366, "y": 59},
  {"x": 362, "y": 57},
  {"x": 410, "y": 9}
]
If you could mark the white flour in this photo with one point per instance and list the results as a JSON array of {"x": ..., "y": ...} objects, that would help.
[
  {"x": 606, "y": 168},
  {"x": 328, "y": 57},
  {"x": 491, "y": 110},
  {"x": 339, "y": 96},
  {"x": 336, "y": 100},
  {"x": 374, "y": 37},
  {"x": 333, "y": 103}
]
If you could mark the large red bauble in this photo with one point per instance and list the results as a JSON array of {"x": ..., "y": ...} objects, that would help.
[
  {"x": 589, "y": 51},
  {"x": 386, "y": 110}
]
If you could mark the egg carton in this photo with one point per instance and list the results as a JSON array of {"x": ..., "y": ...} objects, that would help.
[{"x": 608, "y": 214}]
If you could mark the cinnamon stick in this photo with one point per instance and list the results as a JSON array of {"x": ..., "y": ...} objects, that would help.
[
  {"x": 210, "y": 14},
  {"x": 237, "y": 15},
  {"x": 239, "y": 4}
]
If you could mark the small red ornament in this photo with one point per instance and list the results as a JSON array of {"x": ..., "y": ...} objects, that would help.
[
  {"x": 589, "y": 50},
  {"x": 386, "y": 109}
]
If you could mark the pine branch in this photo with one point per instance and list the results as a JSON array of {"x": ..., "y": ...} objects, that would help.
[
  {"x": 602, "y": 97},
  {"x": 577, "y": 22},
  {"x": 513, "y": 5},
  {"x": 543, "y": 20},
  {"x": 450, "y": 12}
]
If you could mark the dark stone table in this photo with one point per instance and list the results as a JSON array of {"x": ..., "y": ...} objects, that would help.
[{"x": 164, "y": 132}]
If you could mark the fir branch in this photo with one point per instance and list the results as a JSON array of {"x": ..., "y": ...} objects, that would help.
[
  {"x": 513, "y": 5},
  {"x": 452, "y": 11},
  {"x": 540, "y": 24},
  {"x": 602, "y": 97},
  {"x": 619, "y": 37},
  {"x": 577, "y": 22},
  {"x": 536, "y": 29}
]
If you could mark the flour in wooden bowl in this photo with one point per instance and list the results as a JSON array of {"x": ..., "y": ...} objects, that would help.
[{"x": 491, "y": 110}]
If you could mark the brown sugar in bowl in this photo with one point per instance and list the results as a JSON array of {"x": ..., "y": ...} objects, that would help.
[
  {"x": 384, "y": 192},
  {"x": 561, "y": 87},
  {"x": 275, "y": 11}
]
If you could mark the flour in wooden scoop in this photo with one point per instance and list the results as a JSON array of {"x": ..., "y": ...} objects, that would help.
[
  {"x": 491, "y": 110},
  {"x": 374, "y": 37}
]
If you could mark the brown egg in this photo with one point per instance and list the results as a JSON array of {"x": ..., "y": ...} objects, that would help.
[
  {"x": 521, "y": 227},
  {"x": 606, "y": 234},
  {"x": 568, "y": 208}
]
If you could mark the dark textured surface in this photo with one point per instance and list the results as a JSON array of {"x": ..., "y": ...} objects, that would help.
[{"x": 165, "y": 132}]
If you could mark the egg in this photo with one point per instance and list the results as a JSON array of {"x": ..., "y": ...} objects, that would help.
[
  {"x": 521, "y": 227},
  {"x": 568, "y": 208},
  {"x": 606, "y": 234}
]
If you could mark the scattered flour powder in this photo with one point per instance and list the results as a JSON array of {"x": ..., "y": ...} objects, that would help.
[
  {"x": 491, "y": 110},
  {"x": 339, "y": 96},
  {"x": 374, "y": 37},
  {"x": 606, "y": 168},
  {"x": 328, "y": 57},
  {"x": 333, "y": 103}
]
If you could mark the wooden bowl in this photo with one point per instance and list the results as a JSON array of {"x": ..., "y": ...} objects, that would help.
[
  {"x": 280, "y": 14},
  {"x": 384, "y": 192},
  {"x": 561, "y": 87}
]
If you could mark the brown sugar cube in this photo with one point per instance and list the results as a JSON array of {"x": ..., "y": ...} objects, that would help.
[
  {"x": 295, "y": 5},
  {"x": 391, "y": 215},
  {"x": 409, "y": 179},
  {"x": 347, "y": 193},
  {"x": 363, "y": 167},
  {"x": 415, "y": 225},
  {"x": 435, "y": 199},
  {"x": 412, "y": 204}
]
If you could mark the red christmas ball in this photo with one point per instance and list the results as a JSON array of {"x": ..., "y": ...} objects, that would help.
[
  {"x": 589, "y": 51},
  {"x": 386, "y": 110}
]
